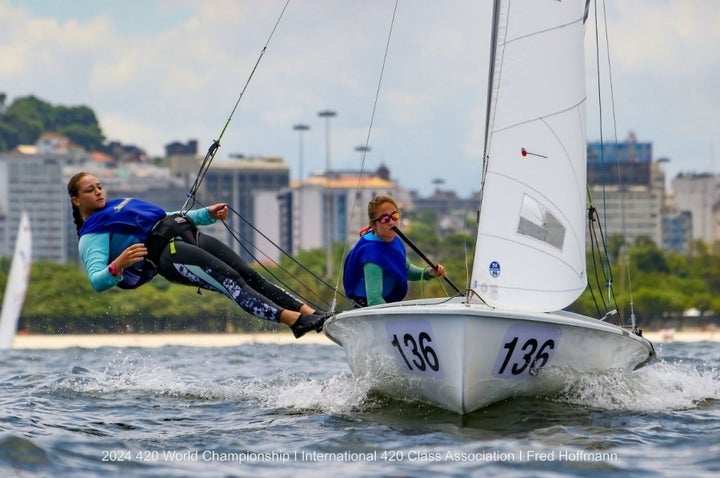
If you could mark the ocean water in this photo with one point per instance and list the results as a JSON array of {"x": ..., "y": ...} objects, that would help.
[{"x": 269, "y": 410}]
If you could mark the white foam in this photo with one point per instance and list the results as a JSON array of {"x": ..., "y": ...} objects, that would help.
[{"x": 660, "y": 386}]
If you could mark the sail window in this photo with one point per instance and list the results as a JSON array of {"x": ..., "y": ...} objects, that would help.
[{"x": 538, "y": 222}]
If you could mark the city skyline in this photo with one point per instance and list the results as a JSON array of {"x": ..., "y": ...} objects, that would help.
[{"x": 158, "y": 71}]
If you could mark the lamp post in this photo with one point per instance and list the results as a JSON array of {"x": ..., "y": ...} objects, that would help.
[
  {"x": 300, "y": 128},
  {"x": 362, "y": 149},
  {"x": 327, "y": 114}
]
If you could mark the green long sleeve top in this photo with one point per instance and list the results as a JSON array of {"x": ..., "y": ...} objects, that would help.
[{"x": 374, "y": 280}]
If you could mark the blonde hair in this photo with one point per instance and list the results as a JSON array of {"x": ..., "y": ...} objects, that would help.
[{"x": 376, "y": 202}]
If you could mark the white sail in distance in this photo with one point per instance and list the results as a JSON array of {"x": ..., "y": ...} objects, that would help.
[{"x": 17, "y": 283}]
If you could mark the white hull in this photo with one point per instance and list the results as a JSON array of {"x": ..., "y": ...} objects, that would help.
[{"x": 464, "y": 356}]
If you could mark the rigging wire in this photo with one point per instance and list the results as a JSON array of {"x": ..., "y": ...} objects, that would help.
[
  {"x": 240, "y": 239},
  {"x": 237, "y": 236},
  {"x": 369, "y": 132},
  {"x": 596, "y": 256},
  {"x": 606, "y": 262},
  {"x": 191, "y": 199},
  {"x": 633, "y": 321},
  {"x": 592, "y": 213},
  {"x": 593, "y": 218},
  {"x": 210, "y": 155}
]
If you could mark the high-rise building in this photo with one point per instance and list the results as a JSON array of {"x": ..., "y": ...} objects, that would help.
[
  {"x": 304, "y": 208},
  {"x": 677, "y": 231},
  {"x": 627, "y": 188},
  {"x": 35, "y": 179},
  {"x": 699, "y": 194},
  {"x": 237, "y": 181},
  {"x": 35, "y": 184}
]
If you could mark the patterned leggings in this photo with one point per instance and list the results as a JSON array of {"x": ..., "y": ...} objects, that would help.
[{"x": 212, "y": 265}]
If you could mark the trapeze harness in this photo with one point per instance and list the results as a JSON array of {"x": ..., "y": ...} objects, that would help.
[
  {"x": 149, "y": 224},
  {"x": 226, "y": 272}
]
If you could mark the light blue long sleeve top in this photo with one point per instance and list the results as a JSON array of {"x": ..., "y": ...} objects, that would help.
[{"x": 97, "y": 252}]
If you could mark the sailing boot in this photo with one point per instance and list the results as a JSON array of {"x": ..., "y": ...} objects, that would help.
[{"x": 308, "y": 322}]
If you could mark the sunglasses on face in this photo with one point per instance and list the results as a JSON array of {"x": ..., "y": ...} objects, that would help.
[{"x": 386, "y": 218}]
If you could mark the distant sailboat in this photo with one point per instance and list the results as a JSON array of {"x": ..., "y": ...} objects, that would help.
[{"x": 17, "y": 284}]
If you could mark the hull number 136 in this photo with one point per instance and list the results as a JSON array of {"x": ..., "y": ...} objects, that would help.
[
  {"x": 417, "y": 353},
  {"x": 415, "y": 350},
  {"x": 525, "y": 350}
]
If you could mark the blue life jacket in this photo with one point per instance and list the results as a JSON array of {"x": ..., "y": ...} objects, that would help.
[
  {"x": 124, "y": 216},
  {"x": 127, "y": 216},
  {"x": 390, "y": 256}
]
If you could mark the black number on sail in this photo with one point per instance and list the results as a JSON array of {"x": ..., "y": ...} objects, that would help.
[{"x": 422, "y": 354}]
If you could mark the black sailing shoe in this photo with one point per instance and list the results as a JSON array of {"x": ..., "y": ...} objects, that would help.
[{"x": 308, "y": 322}]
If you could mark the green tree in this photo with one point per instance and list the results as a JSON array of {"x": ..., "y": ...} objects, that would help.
[
  {"x": 80, "y": 125},
  {"x": 89, "y": 138},
  {"x": 647, "y": 256},
  {"x": 655, "y": 304},
  {"x": 32, "y": 109},
  {"x": 60, "y": 299},
  {"x": 26, "y": 119}
]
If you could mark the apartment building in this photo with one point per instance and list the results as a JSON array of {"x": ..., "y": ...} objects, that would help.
[{"x": 627, "y": 188}]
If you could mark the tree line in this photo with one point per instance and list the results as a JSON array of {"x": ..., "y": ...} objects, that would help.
[
  {"x": 25, "y": 119},
  {"x": 664, "y": 285}
]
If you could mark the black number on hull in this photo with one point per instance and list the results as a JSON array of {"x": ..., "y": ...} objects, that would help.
[
  {"x": 532, "y": 359},
  {"x": 422, "y": 355}
]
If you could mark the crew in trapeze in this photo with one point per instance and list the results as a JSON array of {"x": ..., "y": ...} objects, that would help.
[{"x": 126, "y": 242}]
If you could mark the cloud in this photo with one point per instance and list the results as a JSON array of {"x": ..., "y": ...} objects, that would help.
[{"x": 160, "y": 71}]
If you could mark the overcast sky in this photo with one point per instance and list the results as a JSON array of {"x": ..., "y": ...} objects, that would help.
[{"x": 157, "y": 71}]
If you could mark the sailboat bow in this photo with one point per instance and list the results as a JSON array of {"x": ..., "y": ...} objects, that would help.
[{"x": 463, "y": 356}]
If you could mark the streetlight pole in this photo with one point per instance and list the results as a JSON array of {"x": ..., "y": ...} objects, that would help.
[
  {"x": 362, "y": 149},
  {"x": 300, "y": 128},
  {"x": 327, "y": 114}
]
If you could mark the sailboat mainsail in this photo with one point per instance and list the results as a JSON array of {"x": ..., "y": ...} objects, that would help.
[
  {"x": 530, "y": 249},
  {"x": 17, "y": 283}
]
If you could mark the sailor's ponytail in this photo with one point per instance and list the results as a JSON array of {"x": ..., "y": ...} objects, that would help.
[{"x": 74, "y": 191}]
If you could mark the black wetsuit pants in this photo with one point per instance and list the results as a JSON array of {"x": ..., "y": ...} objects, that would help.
[{"x": 214, "y": 266}]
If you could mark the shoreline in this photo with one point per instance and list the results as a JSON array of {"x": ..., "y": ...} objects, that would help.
[
  {"x": 42, "y": 341},
  {"x": 672, "y": 335}
]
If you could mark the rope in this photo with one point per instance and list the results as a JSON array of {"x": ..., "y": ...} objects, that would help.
[
  {"x": 205, "y": 166},
  {"x": 242, "y": 241},
  {"x": 599, "y": 252},
  {"x": 622, "y": 204},
  {"x": 366, "y": 147},
  {"x": 592, "y": 215},
  {"x": 210, "y": 155}
]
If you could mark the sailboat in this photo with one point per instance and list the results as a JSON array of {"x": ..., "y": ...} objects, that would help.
[
  {"x": 17, "y": 283},
  {"x": 508, "y": 336}
]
